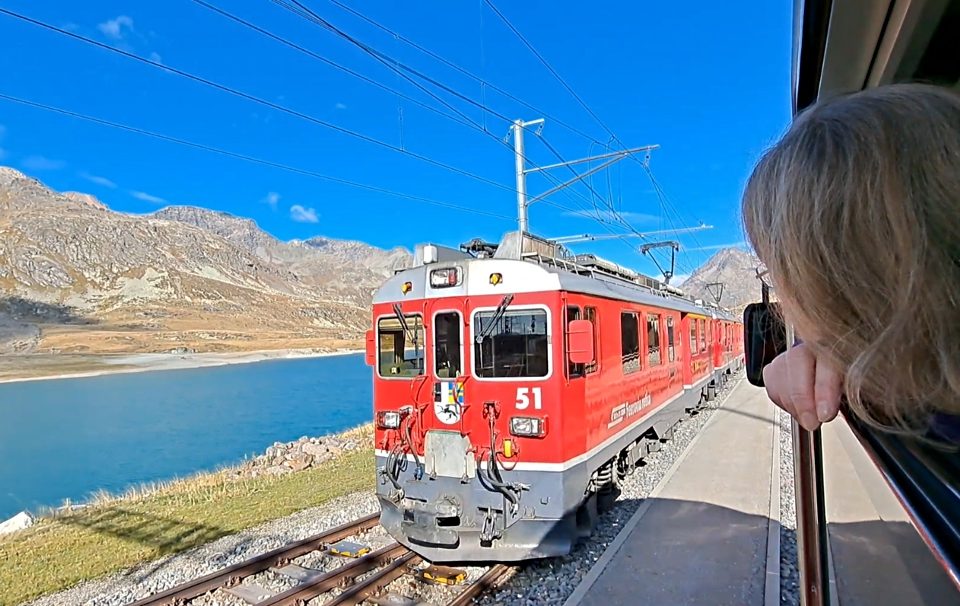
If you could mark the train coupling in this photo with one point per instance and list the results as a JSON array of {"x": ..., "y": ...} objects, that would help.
[{"x": 432, "y": 523}]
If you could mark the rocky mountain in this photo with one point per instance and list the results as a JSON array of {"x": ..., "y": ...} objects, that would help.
[
  {"x": 735, "y": 268},
  {"x": 187, "y": 278}
]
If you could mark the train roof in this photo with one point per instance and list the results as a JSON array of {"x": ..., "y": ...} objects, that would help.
[{"x": 546, "y": 266}]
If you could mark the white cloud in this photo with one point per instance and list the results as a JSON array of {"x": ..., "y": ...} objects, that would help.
[
  {"x": 341, "y": 106},
  {"x": 679, "y": 278},
  {"x": 271, "y": 199},
  {"x": 116, "y": 28},
  {"x": 155, "y": 57},
  {"x": 98, "y": 180},
  {"x": 37, "y": 162},
  {"x": 303, "y": 215},
  {"x": 140, "y": 195}
]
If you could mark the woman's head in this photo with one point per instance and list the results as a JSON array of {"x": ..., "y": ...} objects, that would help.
[{"x": 856, "y": 213}]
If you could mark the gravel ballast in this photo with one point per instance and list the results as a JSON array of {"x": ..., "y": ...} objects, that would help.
[
  {"x": 789, "y": 570},
  {"x": 152, "y": 577}
]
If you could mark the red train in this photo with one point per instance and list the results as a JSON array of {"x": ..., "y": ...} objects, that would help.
[{"x": 513, "y": 391}]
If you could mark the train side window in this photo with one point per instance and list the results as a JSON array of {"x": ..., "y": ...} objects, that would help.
[
  {"x": 446, "y": 344},
  {"x": 400, "y": 346},
  {"x": 629, "y": 341},
  {"x": 590, "y": 313},
  {"x": 703, "y": 335},
  {"x": 693, "y": 336},
  {"x": 653, "y": 339},
  {"x": 671, "y": 350},
  {"x": 573, "y": 370}
]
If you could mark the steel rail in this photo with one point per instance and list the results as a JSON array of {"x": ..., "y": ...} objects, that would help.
[
  {"x": 344, "y": 574},
  {"x": 359, "y": 592},
  {"x": 490, "y": 580},
  {"x": 265, "y": 561}
]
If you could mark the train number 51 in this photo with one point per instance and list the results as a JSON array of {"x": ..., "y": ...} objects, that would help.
[{"x": 523, "y": 398}]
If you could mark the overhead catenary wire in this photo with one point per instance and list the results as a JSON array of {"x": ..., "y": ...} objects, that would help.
[
  {"x": 325, "y": 60},
  {"x": 303, "y": 11},
  {"x": 479, "y": 79},
  {"x": 246, "y": 158},
  {"x": 255, "y": 99},
  {"x": 663, "y": 198}
]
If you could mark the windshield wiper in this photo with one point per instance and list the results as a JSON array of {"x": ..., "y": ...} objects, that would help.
[
  {"x": 407, "y": 333},
  {"x": 497, "y": 314}
]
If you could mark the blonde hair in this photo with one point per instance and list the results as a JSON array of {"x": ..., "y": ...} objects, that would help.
[{"x": 856, "y": 213}]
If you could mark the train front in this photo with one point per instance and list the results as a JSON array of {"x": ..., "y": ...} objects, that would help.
[{"x": 467, "y": 380}]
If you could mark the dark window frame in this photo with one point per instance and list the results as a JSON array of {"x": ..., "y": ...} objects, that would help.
[
  {"x": 417, "y": 325},
  {"x": 478, "y": 370},
  {"x": 574, "y": 371},
  {"x": 671, "y": 341},
  {"x": 437, "y": 358},
  {"x": 628, "y": 358},
  {"x": 590, "y": 313},
  {"x": 654, "y": 353}
]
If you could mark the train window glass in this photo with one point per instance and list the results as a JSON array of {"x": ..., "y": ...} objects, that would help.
[
  {"x": 653, "y": 339},
  {"x": 590, "y": 313},
  {"x": 400, "y": 346},
  {"x": 703, "y": 335},
  {"x": 693, "y": 336},
  {"x": 514, "y": 345},
  {"x": 671, "y": 349},
  {"x": 446, "y": 344},
  {"x": 573, "y": 370},
  {"x": 629, "y": 341}
]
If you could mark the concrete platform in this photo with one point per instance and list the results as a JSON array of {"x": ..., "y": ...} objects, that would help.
[{"x": 701, "y": 538}]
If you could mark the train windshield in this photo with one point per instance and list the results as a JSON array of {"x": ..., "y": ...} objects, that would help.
[
  {"x": 513, "y": 344},
  {"x": 400, "y": 345}
]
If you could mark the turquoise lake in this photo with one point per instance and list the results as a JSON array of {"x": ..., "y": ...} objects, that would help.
[{"x": 66, "y": 438}]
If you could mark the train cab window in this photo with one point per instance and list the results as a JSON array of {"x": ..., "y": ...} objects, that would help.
[
  {"x": 590, "y": 313},
  {"x": 671, "y": 349},
  {"x": 693, "y": 336},
  {"x": 511, "y": 344},
  {"x": 400, "y": 346},
  {"x": 703, "y": 335},
  {"x": 573, "y": 370},
  {"x": 629, "y": 341},
  {"x": 446, "y": 345},
  {"x": 653, "y": 339}
]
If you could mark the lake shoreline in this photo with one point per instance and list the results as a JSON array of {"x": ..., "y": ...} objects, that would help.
[{"x": 111, "y": 364}]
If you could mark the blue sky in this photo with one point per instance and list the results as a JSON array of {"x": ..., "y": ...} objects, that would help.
[{"x": 707, "y": 81}]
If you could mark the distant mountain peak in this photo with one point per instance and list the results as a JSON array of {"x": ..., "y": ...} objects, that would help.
[{"x": 735, "y": 268}]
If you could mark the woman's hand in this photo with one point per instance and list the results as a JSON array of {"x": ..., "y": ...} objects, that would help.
[{"x": 807, "y": 388}]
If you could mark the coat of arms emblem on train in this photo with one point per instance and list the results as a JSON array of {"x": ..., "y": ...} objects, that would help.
[{"x": 449, "y": 402}]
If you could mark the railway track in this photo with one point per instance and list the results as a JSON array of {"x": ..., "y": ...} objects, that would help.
[{"x": 363, "y": 575}]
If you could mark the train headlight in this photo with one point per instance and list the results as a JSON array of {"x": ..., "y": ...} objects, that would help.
[
  {"x": 445, "y": 277},
  {"x": 388, "y": 419},
  {"x": 528, "y": 427}
]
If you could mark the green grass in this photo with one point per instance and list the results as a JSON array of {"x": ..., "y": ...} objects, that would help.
[{"x": 116, "y": 533}]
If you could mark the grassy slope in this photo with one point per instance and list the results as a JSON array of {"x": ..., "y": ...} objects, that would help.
[{"x": 59, "y": 552}]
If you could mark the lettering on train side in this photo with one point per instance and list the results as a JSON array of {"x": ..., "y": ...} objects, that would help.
[
  {"x": 699, "y": 366},
  {"x": 624, "y": 411}
]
